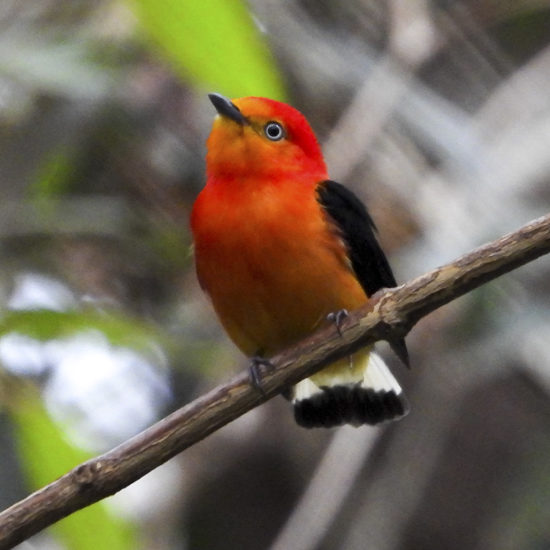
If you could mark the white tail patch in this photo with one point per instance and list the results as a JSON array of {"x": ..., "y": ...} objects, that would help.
[
  {"x": 375, "y": 376},
  {"x": 305, "y": 389},
  {"x": 378, "y": 377},
  {"x": 349, "y": 393}
]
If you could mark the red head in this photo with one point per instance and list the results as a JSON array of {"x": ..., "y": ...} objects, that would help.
[{"x": 261, "y": 138}]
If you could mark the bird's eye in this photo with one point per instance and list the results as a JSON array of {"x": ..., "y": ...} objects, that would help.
[{"x": 274, "y": 131}]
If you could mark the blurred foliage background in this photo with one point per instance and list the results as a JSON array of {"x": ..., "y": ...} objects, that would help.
[{"x": 436, "y": 113}]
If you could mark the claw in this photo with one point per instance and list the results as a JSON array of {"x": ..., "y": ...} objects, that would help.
[
  {"x": 255, "y": 371},
  {"x": 337, "y": 317}
]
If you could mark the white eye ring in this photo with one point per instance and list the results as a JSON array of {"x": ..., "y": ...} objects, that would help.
[{"x": 274, "y": 131}]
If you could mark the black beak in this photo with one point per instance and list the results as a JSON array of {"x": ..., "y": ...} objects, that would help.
[{"x": 227, "y": 109}]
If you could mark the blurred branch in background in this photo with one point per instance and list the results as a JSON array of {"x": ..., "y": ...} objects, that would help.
[
  {"x": 393, "y": 314},
  {"x": 436, "y": 114}
]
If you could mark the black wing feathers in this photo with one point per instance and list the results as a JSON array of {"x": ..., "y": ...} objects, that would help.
[{"x": 359, "y": 233}]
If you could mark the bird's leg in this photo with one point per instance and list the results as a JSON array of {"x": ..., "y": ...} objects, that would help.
[
  {"x": 337, "y": 317},
  {"x": 255, "y": 371}
]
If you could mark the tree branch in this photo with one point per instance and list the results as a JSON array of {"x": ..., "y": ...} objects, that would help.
[{"x": 388, "y": 315}]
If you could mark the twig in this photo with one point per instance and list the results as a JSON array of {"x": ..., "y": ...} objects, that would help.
[{"x": 390, "y": 314}]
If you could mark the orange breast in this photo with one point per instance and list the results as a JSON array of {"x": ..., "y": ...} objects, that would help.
[{"x": 271, "y": 263}]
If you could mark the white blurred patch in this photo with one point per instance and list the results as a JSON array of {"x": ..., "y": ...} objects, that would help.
[
  {"x": 34, "y": 291},
  {"x": 102, "y": 394},
  {"x": 22, "y": 355}
]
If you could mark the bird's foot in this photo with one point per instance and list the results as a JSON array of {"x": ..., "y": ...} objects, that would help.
[
  {"x": 255, "y": 371},
  {"x": 337, "y": 317}
]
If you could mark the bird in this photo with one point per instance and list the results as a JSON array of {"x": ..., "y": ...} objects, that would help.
[{"x": 282, "y": 250}]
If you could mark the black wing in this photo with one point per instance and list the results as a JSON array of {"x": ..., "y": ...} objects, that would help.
[{"x": 359, "y": 233}]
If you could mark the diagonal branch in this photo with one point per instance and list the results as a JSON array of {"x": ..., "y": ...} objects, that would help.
[{"x": 389, "y": 315}]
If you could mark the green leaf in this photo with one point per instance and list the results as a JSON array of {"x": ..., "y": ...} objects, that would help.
[
  {"x": 52, "y": 180},
  {"x": 45, "y": 455},
  {"x": 214, "y": 43},
  {"x": 45, "y": 324},
  {"x": 53, "y": 176}
]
